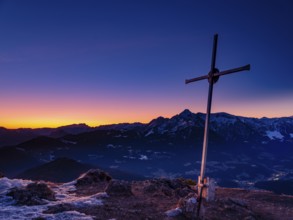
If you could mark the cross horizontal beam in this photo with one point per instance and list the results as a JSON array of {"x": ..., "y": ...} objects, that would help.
[{"x": 225, "y": 72}]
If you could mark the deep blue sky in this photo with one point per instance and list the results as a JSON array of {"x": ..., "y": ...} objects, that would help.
[{"x": 112, "y": 61}]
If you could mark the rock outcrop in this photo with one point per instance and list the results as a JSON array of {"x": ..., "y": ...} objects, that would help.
[
  {"x": 188, "y": 206},
  {"x": 93, "y": 177},
  {"x": 32, "y": 194},
  {"x": 93, "y": 181},
  {"x": 167, "y": 187},
  {"x": 119, "y": 188}
]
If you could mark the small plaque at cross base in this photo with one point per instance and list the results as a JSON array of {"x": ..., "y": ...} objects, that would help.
[{"x": 208, "y": 188}]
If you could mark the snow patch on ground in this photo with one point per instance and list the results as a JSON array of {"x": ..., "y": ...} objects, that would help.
[
  {"x": 274, "y": 135},
  {"x": 187, "y": 164},
  {"x": 173, "y": 212},
  {"x": 291, "y": 135},
  {"x": 68, "y": 215},
  {"x": 143, "y": 157},
  {"x": 86, "y": 201},
  {"x": 129, "y": 157},
  {"x": 6, "y": 184},
  {"x": 113, "y": 146},
  {"x": 64, "y": 195}
]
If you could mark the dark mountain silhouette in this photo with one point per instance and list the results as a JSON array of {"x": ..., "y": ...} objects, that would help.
[
  {"x": 242, "y": 151},
  {"x": 59, "y": 170},
  {"x": 41, "y": 142},
  {"x": 17, "y": 136},
  {"x": 14, "y": 160},
  {"x": 66, "y": 169}
]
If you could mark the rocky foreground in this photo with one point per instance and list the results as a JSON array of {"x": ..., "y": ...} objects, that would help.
[{"x": 95, "y": 195}]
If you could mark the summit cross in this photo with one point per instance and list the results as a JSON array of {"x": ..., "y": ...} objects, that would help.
[{"x": 212, "y": 78}]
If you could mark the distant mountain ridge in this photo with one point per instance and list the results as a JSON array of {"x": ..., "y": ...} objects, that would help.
[
  {"x": 242, "y": 151},
  {"x": 273, "y": 128},
  {"x": 16, "y": 136}
]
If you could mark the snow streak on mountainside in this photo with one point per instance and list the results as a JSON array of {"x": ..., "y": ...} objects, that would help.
[{"x": 222, "y": 123}]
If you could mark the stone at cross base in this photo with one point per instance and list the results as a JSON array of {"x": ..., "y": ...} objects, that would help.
[{"x": 208, "y": 188}]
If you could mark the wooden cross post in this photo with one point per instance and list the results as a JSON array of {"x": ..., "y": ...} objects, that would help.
[{"x": 212, "y": 78}]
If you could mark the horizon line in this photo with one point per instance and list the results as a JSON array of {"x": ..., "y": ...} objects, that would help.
[{"x": 99, "y": 125}]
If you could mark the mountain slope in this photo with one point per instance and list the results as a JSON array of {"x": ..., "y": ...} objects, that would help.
[
  {"x": 14, "y": 160},
  {"x": 17, "y": 136},
  {"x": 242, "y": 151},
  {"x": 65, "y": 169},
  {"x": 59, "y": 170}
]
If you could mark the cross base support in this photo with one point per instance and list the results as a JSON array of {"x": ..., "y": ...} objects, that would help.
[{"x": 208, "y": 187}]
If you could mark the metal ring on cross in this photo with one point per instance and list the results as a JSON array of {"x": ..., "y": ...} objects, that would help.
[{"x": 214, "y": 78}]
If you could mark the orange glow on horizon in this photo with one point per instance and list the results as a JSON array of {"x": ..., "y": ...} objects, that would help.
[
  {"x": 57, "y": 113},
  {"x": 18, "y": 116},
  {"x": 53, "y": 122}
]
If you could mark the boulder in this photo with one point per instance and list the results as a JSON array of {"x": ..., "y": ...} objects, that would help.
[
  {"x": 119, "y": 188},
  {"x": 188, "y": 206},
  {"x": 92, "y": 177},
  {"x": 32, "y": 194},
  {"x": 167, "y": 187},
  {"x": 63, "y": 207},
  {"x": 158, "y": 187},
  {"x": 92, "y": 182}
]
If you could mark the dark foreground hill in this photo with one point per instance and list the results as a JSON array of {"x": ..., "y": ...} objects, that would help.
[
  {"x": 59, "y": 170},
  {"x": 65, "y": 169},
  {"x": 95, "y": 195},
  {"x": 16, "y": 136}
]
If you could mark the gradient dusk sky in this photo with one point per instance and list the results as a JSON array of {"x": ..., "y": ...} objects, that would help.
[{"x": 112, "y": 61}]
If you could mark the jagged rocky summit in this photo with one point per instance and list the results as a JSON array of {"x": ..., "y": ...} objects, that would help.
[{"x": 95, "y": 195}]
